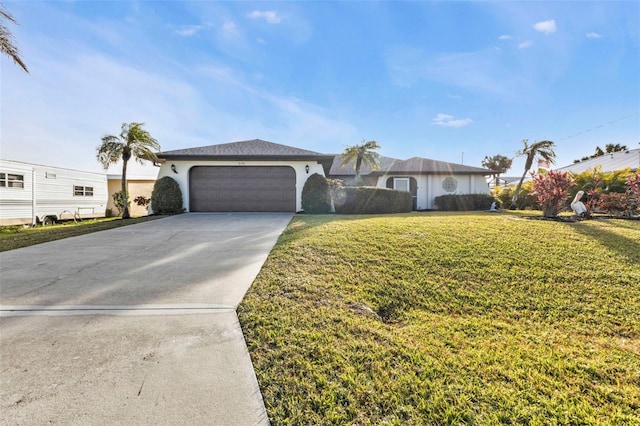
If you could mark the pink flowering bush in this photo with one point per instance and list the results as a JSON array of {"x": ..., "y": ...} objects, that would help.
[
  {"x": 551, "y": 190},
  {"x": 633, "y": 189}
]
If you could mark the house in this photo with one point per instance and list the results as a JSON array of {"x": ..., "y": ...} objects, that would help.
[
  {"x": 426, "y": 179},
  {"x": 257, "y": 175},
  {"x": 629, "y": 159},
  {"x": 253, "y": 175},
  {"x": 32, "y": 193},
  {"x": 136, "y": 186}
]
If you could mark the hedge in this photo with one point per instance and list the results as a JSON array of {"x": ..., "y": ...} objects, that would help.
[
  {"x": 315, "y": 195},
  {"x": 372, "y": 200},
  {"x": 166, "y": 197},
  {"x": 464, "y": 202}
]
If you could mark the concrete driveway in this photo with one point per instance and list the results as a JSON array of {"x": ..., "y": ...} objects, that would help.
[{"x": 135, "y": 325}]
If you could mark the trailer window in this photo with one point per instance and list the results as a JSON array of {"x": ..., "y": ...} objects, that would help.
[
  {"x": 9, "y": 180},
  {"x": 83, "y": 191}
]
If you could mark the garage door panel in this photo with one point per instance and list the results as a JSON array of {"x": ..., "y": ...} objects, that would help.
[{"x": 242, "y": 188}]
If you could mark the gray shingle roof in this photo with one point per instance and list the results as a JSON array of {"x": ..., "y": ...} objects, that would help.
[
  {"x": 415, "y": 165},
  {"x": 256, "y": 148}
]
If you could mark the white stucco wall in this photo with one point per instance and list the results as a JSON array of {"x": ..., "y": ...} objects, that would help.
[
  {"x": 431, "y": 186},
  {"x": 183, "y": 167}
]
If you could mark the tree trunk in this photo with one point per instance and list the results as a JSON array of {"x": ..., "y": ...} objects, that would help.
[
  {"x": 125, "y": 209},
  {"x": 515, "y": 194}
]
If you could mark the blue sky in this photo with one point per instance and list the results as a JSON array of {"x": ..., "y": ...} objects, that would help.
[{"x": 430, "y": 79}]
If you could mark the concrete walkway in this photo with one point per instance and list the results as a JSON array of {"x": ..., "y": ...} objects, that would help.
[{"x": 135, "y": 325}]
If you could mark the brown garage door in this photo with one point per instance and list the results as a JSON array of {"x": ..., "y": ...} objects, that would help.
[{"x": 242, "y": 189}]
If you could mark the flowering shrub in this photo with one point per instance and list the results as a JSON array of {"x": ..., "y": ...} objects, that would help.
[
  {"x": 613, "y": 203},
  {"x": 551, "y": 190},
  {"x": 633, "y": 189}
]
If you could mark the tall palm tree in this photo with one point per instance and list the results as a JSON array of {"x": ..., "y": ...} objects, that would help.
[
  {"x": 362, "y": 154},
  {"x": 499, "y": 164},
  {"x": 537, "y": 150},
  {"x": 6, "y": 38},
  {"x": 134, "y": 142}
]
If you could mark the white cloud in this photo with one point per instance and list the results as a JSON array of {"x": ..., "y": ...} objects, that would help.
[
  {"x": 271, "y": 16},
  {"x": 229, "y": 29},
  {"x": 505, "y": 37},
  {"x": 593, "y": 35},
  {"x": 188, "y": 30},
  {"x": 447, "y": 120},
  {"x": 525, "y": 44},
  {"x": 546, "y": 27}
]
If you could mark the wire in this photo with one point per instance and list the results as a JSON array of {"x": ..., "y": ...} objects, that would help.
[{"x": 598, "y": 126}]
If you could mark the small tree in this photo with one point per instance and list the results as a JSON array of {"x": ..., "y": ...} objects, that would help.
[
  {"x": 315, "y": 195},
  {"x": 499, "y": 164},
  {"x": 540, "y": 150},
  {"x": 362, "y": 154},
  {"x": 119, "y": 200},
  {"x": 552, "y": 189}
]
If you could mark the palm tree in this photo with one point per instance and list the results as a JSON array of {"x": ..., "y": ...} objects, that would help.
[
  {"x": 362, "y": 154},
  {"x": 133, "y": 141},
  {"x": 499, "y": 164},
  {"x": 542, "y": 150},
  {"x": 6, "y": 38}
]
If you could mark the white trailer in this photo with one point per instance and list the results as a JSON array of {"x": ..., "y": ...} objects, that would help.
[{"x": 32, "y": 193}]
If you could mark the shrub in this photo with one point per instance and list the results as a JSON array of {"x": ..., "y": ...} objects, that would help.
[
  {"x": 551, "y": 190},
  {"x": 613, "y": 203},
  {"x": 142, "y": 201},
  {"x": 315, "y": 195},
  {"x": 118, "y": 200},
  {"x": 372, "y": 200},
  {"x": 463, "y": 202},
  {"x": 166, "y": 197},
  {"x": 526, "y": 199},
  {"x": 633, "y": 189}
]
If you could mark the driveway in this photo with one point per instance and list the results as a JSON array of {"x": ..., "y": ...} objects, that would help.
[{"x": 135, "y": 325}]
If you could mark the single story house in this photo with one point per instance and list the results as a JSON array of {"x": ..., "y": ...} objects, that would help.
[
  {"x": 257, "y": 175},
  {"x": 426, "y": 179}
]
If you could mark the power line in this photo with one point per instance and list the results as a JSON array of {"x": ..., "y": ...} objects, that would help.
[{"x": 599, "y": 126}]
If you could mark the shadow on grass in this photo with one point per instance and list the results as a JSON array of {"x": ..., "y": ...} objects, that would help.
[{"x": 624, "y": 246}]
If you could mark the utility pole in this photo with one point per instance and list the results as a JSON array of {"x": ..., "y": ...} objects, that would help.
[{"x": 462, "y": 158}]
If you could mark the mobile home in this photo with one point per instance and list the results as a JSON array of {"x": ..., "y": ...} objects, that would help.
[{"x": 32, "y": 193}]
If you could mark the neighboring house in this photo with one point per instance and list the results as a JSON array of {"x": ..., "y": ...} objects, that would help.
[
  {"x": 31, "y": 193},
  {"x": 424, "y": 178},
  {"x": 252, "y": 176},
  {"x": 257, "y": 175},
  {"x": 136, "y": 186},
  {"x": 629, "y": 159}
]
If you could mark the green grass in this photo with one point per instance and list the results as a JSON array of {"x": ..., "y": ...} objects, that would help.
[
  {"x": 436, "y": 318},
  {"x": 13, "y": 237}
]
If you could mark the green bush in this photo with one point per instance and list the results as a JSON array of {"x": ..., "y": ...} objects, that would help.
[
  {"x": 166, "y": 197},
  {"x": 372, "y": 200},
  {"x": 526, "y": 198},
  {"x": 464, "y": 202},
  {"x": 315, "y": 195}
]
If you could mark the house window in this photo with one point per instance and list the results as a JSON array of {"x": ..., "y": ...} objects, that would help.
[
  {"x": 83, "y": 191},
  {"x": 449, "y": 184},
  {"x": 401, "y": 184},
  {"x": 9, "y": 180}
]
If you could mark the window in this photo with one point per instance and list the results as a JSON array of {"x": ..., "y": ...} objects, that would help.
[
  {"x": 9, "y": 180},
  {"x": 449, "y": 184},
  {"x": 50, "y": 175},
  {"x": 83, "y": 191},
  {"x": 401, "y": 184}
]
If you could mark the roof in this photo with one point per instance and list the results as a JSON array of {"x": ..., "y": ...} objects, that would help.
[
  {"x": 629, "y": 159},
  {"x": 251, "y": 149},
  {"x": 414, "y": 165},
  {"x": 255, "y": 149}
]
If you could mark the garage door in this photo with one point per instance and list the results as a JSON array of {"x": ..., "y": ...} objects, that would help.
[{"x": 242, "y": 189}]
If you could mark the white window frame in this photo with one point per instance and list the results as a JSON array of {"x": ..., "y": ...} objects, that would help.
[
  {"x": 403, "y": 179},
  {"x": 82, "y": 191},
  {"x": 11, "y": 180}
]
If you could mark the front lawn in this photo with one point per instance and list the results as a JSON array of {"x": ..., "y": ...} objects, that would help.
[
  {"x": 13, "y": 237},
  {"x": 459, "y": 318}
]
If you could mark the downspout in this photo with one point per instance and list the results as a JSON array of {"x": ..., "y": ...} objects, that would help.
[{"x": 33, "y": 197}]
